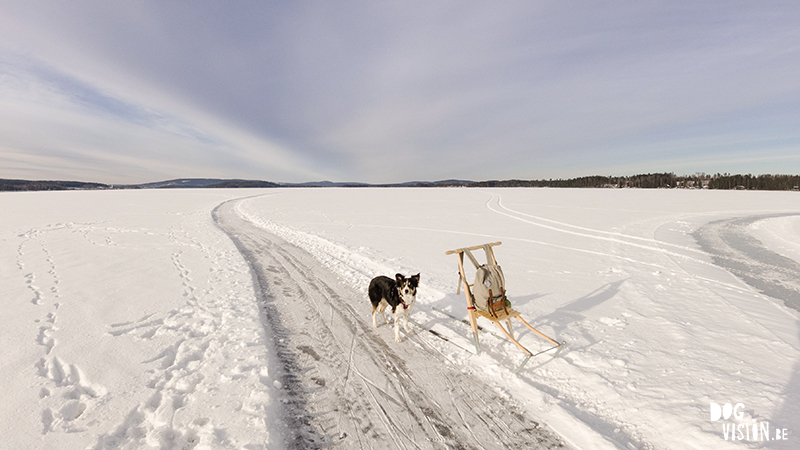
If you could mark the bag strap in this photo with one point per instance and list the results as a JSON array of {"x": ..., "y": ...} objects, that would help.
[
  {"x": 471, "y": 258},
  {"x": 460, "y": 278},
  {"x": 489, "y": 254}
]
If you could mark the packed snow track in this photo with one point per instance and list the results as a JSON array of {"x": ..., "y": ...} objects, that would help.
[
  {"x": 345, "y": 384},
  {"x": 732, "y": 247}
]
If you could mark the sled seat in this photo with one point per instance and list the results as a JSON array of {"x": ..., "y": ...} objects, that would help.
[{"x": 500, "y": 316}]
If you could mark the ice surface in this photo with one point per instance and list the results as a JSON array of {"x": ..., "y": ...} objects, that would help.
[{"x": 130, "y": 319}]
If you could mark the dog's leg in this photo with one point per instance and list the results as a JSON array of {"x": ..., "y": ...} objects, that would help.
[{"x": 374, "y": 310}]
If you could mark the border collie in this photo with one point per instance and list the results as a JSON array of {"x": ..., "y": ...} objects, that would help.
[{"x": 400, "y": 294}]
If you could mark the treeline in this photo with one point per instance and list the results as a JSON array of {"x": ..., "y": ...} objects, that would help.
[
  {"x": 660, "y": 181},
  {"x": 642, "y": 181},
  {"x": 645, "y": 181},
  {"x": 26, "y": 185},
  {"x": 760, "y": 182}
]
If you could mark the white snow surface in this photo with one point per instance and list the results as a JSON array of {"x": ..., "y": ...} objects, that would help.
[{"x": 129, "y": 319}]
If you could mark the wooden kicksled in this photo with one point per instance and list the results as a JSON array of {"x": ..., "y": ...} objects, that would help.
[{"x": 497, "y": 308}]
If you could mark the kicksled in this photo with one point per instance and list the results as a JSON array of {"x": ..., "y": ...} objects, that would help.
[{"x": 486, "y": 298}]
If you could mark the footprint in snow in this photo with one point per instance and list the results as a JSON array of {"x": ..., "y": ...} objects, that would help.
[
  {"x": 70, "y": 397},
  {"x": 612, "y": 322}
]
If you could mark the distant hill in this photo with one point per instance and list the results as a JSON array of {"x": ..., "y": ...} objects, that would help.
[
  {"x": 195, "y": 183},
  {"x": 184, "y": 183},
  {"x": 642, "y": 181},
  {"x": 325, "y": 184},
  {"x": 243, "y": 184},
  {"x": 42, "y": 185},
  {"x": 442, "y": 183}
]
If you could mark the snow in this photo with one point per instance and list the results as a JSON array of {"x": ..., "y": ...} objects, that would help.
[{"x": 131, "y": 319}]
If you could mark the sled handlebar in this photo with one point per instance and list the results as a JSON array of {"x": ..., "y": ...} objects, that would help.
[{"x": 477, "y": 247}]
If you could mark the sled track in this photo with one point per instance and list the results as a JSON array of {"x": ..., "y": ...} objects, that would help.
[
  {"x": 347, "y": 385},
  {"x": 734, "y": 249}
]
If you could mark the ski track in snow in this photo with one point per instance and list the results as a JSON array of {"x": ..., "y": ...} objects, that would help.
[
  {"x": 343, "y": 384},
  {"x": 730, "y": 246},
  {"x": 649, "y": 244},
  {"x": 357, "y": 270},
  {"x": 348, "y": 386},
  {"x": 607, "y": 370}
]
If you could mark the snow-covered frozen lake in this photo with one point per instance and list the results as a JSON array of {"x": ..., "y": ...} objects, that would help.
[{"x": 132, "y": 320}]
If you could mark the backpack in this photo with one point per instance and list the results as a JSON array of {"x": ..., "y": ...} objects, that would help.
[{"x": 489, "y": 289}]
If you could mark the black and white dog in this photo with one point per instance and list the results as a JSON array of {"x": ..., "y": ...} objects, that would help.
[{"x": 400, "y": 294}]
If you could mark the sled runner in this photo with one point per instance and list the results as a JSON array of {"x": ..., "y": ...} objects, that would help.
[{"x": 486, "y": 297}]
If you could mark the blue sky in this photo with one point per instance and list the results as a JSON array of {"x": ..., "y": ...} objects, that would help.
[{"x": 129, "y": 92}]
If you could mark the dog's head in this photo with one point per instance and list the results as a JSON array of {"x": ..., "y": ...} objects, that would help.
[{"x": 406, "y": 287}]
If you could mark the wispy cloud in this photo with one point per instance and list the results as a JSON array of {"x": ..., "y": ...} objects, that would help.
[
  {"x": 67, "y": 127},
  {"x": 391, "y": 92}
]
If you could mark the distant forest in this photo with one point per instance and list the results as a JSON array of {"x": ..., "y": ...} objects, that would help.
[
  {"x": 27, "y": 185},
  {"x": 643, "y": 181},
  {"x": 663, "y": 181}
]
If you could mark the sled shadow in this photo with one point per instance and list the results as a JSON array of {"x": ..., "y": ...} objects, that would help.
[
  {"x": 522, "y": 300},
  {"x": 562, "y": 317}
]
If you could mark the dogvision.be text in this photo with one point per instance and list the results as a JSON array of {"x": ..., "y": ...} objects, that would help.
[{"x": 756, "y": 431}]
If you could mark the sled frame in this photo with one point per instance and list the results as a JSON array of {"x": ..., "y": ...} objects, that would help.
[{"x": 498, "y": 317}]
